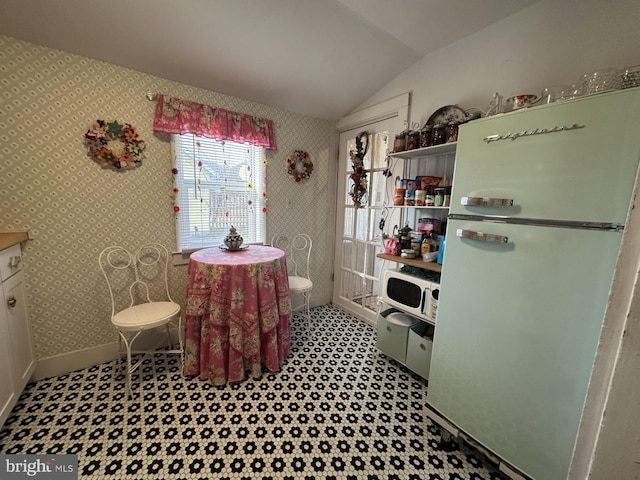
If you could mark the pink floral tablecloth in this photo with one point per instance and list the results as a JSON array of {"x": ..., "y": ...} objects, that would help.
[{"x": 238, "y": 313}]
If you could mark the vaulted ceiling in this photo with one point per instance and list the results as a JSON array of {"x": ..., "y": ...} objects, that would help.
[{"x": 320, "y": 58}]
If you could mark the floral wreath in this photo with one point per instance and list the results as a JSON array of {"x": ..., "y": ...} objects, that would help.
[
  {"x": 359, "y": 176},
  {"x": 97, "y": 140},
  {"x": 299, "y": 165}
]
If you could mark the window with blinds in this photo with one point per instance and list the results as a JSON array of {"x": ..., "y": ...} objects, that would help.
[{"x": 219, "y": 185}]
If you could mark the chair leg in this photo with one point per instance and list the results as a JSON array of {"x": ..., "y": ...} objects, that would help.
[
  {"x": 130, "y": 368},
  {"x": 180, "y": 351},
  {"x": 121, "y": 351},
  {"x": 168, "y": 334},
  {"x": 307, "y": 311},
  {"x": 181, "y": 341}
]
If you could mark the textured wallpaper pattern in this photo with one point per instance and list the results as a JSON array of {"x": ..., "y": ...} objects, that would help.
[{"x": 74, "y": 208}]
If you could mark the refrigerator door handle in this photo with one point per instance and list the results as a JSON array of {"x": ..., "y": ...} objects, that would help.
[
  {"x": 481, "y": 237},
  {"x": 486, "y": 202}
]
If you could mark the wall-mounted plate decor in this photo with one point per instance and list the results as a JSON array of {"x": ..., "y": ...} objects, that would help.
[
  {"x": 128, "y": 152},
  {"x": 447, "y": 114}
]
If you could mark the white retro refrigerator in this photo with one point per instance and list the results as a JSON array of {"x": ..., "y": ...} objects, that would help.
[{"x": 538, "y": 208}]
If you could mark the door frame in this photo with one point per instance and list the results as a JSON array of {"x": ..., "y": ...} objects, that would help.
[{"x": 396, "y": 107}]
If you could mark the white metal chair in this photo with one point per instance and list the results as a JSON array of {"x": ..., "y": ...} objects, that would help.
[
  {"x": 134, "y": 279},
  {"x": 298, "y": 254}
]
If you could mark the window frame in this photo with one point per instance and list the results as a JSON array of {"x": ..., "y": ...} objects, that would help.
[{"x": 206, "y": 173}]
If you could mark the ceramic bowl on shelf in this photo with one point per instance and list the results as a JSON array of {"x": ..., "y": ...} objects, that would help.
[{"x": 523, "y": 100}]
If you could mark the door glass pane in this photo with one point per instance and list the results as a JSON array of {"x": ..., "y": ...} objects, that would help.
[
  {"x": 369, "y": 297},
  {"x": 347, "y": 248},
  {"x": 350, "y": 147},
  {"x": 360, "y": 256},
  {"x": 376, "y": 216},
  {"x": 362, "y": 215},
  {"x": 345, "y": 277},
  {"x": 347, "y": 196},
  {"x": 377, "y": 184},
  {"x": 348, "y": 222},
  {"x": 380, "y": 146},
  {"x": 356, "y": 288},
  {"x": 377, "y": 266}
]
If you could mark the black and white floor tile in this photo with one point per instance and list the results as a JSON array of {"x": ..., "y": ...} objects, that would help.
[{"x": 337, "y": 410}]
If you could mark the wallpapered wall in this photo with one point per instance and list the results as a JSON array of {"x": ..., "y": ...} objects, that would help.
[{"x": 74, "y": 208}]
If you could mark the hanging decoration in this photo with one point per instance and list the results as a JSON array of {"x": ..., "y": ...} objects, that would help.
[
  {"x": 359, "y": 175},
  {"x": 299, "y": 165},
  {"x": 264, "y": 188},
  {"x": 97, "y": 140},
  {"x": 176, "y": 191}
]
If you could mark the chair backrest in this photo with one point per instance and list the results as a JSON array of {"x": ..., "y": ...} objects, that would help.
[
  {"x": 134, "y": 278},
  {"x": 298, "y": 250}
]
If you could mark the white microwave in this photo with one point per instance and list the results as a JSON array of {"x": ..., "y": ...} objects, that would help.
[{"x": 414, "y": 295}]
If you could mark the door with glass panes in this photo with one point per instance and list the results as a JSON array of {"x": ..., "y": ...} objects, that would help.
[{"x": 359, "y": 230}]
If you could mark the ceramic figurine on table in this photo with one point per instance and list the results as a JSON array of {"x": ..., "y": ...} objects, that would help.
[{"x": 233, "y": 241}]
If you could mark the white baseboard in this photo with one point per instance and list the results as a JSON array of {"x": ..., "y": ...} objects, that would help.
[
  {"x": 70, "y": 362},
  {"x": 73, "y": 361}
]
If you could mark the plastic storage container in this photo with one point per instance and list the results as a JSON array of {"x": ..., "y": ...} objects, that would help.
[
  {"x": 393, "y": 333},
  {"x": 419, "y": 349}
]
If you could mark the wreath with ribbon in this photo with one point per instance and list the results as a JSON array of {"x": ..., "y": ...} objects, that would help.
[
  {"x": 97, "y": 140},
  {"x": 359, "y": 175},
  {"x": 299, "y": 165}
]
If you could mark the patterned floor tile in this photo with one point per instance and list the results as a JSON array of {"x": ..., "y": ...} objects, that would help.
[{"x": 337, "y": 410}]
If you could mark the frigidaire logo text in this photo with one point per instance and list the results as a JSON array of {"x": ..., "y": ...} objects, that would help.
[{"x": 34, "y": 467}]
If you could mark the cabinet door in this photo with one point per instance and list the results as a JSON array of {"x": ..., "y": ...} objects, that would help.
[
  {"x": 8, "y": 391},
  {"x": 19, "y": 328}
]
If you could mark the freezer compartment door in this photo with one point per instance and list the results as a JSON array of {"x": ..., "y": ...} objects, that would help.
[
  {"x": 582, "y": 174},
  {"x": 519, "y": 317}
]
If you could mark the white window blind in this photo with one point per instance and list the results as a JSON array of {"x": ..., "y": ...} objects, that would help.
[{"x": 219, "y": 185}]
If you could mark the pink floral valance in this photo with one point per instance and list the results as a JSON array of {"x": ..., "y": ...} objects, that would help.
[{"x": 174, "y": 115}]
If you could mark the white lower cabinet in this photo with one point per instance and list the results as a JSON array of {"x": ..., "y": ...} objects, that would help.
[
  {"x": 402, "y": 337},
  {"x": 8, "y": 396},
  {"x": 17, "y": 356}
]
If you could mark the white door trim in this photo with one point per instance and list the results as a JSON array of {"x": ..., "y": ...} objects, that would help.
[
  {"x": 397, "y": 107},
  {"x": 394, "y": 107}
]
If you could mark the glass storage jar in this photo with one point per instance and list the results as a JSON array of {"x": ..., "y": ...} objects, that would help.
[
  {"x": 452, "y": 132},
  {"x": 400, "y": 142},
  {"x": 425, "y": 136},
  {"x": 413, "y": 140},
  {"x": 439, "y": 134}
]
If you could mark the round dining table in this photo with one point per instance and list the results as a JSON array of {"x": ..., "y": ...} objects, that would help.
[{"x": 238, "y": 313}]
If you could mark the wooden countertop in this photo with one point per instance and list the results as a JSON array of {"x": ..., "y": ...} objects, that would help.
[
  {"x": 414, "y": 262},
  {"x": 9, "y": 239}
]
